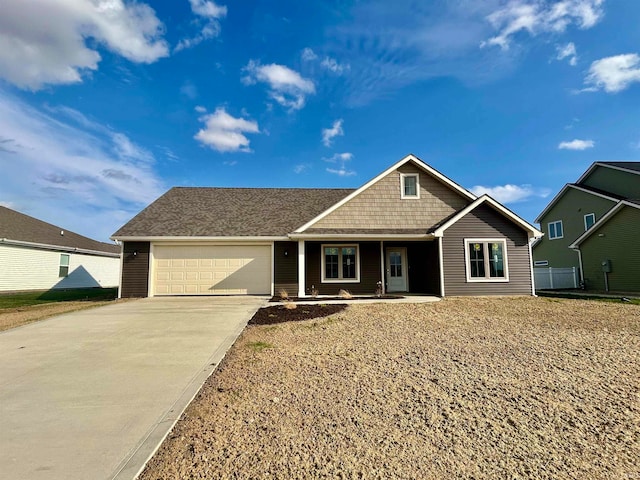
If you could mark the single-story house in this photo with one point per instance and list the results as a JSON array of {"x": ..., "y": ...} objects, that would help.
[
  {"x": 410, "y": 229},
  {"x": 35, "y": 255}
]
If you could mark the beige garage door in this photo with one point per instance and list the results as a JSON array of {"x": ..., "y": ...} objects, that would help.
[{"x": 212, "y": 270}]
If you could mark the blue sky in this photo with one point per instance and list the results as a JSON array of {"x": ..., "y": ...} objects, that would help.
[{"x": 105, "y": 104}]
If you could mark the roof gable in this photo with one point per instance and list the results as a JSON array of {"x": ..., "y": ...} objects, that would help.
[
  {"x": 498, "y": 207},
  {"x": 605, "y": 218},
  {"x": 419, "y": 164},
  {"x": 582, "y": 188},
  {"x": 21, "y": 228},
  {"x": 628, "y": 167}
]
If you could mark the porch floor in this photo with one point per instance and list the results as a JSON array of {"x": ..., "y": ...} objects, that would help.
[{"x": 406, "y": 298}]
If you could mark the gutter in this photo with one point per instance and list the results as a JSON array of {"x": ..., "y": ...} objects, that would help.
[
  {"x": 360, "y": 236},
  {"x": 44, "y": 246}
]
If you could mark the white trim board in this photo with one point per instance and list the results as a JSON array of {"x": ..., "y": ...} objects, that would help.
[
  {"x": 604, "y": 164},
  {"x": 561, "y": 193},
  {"x": 605, "y": 218},
  {"x": 409, "y": 158}
]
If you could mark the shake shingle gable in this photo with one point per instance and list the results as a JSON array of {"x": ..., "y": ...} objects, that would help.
[
  {"x": 23, "y": 228},
  {"x": 230, "y": 212}
]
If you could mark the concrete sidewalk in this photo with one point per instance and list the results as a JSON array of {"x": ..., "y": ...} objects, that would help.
[{"x": 91, "y": 394}]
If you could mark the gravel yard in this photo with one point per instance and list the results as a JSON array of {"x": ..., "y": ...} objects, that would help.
[{"x": 463, "y": 388}]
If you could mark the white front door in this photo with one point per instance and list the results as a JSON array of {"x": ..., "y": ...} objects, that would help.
[{"x": 397, "y": 269}]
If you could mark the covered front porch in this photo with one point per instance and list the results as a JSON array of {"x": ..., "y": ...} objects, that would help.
[{"x": 365, "y": 267}]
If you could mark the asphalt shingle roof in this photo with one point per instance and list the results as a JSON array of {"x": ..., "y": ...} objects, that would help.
[
  {"x": 230, "y": 212},
  {"x": 20, "y": 227}
]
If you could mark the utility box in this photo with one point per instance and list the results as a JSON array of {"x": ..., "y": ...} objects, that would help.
[{"x": 606, "y": 266}]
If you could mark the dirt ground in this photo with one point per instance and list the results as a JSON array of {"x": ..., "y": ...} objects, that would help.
[
  {"x": 15, "y": 317},
  {"x": 504, "y": 388}
]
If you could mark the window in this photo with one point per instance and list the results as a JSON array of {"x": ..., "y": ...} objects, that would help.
[
  {"x": 340, "y": 263},
  {"x": 410, "y": 186},
  {"x": 555, "y": 230},
  {"x": 486, "y": 260},
  {"x": 589, "y": 220},
  {"x": 541, "y": 263},
  {"x": 64, "y": 265}
]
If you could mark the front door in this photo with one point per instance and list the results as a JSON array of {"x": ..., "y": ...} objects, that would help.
[{"x": 397, "y": 269}]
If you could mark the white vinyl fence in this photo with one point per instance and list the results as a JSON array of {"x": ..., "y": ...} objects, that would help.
[{"x": 555, "y": 278}]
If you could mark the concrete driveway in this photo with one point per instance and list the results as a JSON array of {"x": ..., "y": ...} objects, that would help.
[{"x": 91, "y": 394}]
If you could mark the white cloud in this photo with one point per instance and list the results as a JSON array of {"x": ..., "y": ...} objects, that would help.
[
  {"x": 541, "y": 16},
  {"x": 225, "y": 133},
  {"x": 301, "y": 167},
  {"x": 341, "y": 159},
  {"x": 55, "y": 41},
  {"x": 576, "y": 145},
  {"x": 568, "y": 51},
  {"x": 328, "y": 134},
  {"x": 287, "y": 87},
  {"x": 613, "y": 74},
  {"x": 89, "y": 180},
  {"x": 209, "y": 15},
  {"x": 200, "y": 109},
  {"x": 308, "y": 55},
  {"x": 510, "y": 193},
  {"x": 189, "y": 90},
  {"x": 332, "y": 65}
]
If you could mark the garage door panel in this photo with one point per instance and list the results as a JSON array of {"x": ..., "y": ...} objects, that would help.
[{"x": 212, "y": 270}]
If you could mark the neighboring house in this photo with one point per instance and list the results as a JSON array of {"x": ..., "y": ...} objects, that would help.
[
  {"x": 592, "y": 221},
  {"x": 35, "y": 255},
  {"x": 410, "y": 228}
]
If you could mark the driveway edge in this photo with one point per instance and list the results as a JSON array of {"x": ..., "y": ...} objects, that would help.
[{"x": 135, "y": 462}]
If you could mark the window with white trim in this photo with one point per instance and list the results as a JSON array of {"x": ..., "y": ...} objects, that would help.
[
  {"x": 486, "y": 260},
  {"x": 589, "y": 220},
  {"x": 409, "y": 185},
  {"x": 63, "y": 271},
  {"x": 555, "y": 230},
  {"x": 340, "y": 263}
]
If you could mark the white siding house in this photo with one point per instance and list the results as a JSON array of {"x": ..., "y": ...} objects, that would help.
[
  {"x": 25, "y": 268},
  {"x": 35, "y": 255}
]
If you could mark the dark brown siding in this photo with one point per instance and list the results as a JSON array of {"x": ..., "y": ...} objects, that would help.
[
  {"x": 369, "y": 269},
  {"x": 135, "y": 270},
  {"x": 286, "y": 267},
  {"x": 484, "y": 222},
  {"x": 424, "y": 270}
]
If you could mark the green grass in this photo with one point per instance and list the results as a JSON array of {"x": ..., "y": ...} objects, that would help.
[
  {"x": 259, "y": 346},
  {"x": 25, "y": 299},
  {"x": 598, "y": 298}
]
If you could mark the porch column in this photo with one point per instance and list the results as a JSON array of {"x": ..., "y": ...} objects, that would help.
[
  {"x": 301, "y": 272},
  {"x": 441, "y": 262},
  {"x": 382, "y": 267}
]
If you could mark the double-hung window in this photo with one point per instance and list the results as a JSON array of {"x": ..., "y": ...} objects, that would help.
[
  {"x": 486, "y": 260},
  {"x": 63, "y": 271},
  {"x": 340, "y": 263},
  {"x": 409, "y": 185},
  {"x": 555, "y": 230}
]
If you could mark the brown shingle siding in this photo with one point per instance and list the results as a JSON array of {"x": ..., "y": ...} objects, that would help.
[{"x": 380, "y": 206}]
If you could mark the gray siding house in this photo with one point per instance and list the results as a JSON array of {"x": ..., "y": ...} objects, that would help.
[{"x": 410, "y": 229}]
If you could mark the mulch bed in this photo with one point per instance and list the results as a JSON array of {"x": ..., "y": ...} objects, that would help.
[
  {"x": 324, "y": 299},
  {"x": 280, "y": 314}
]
